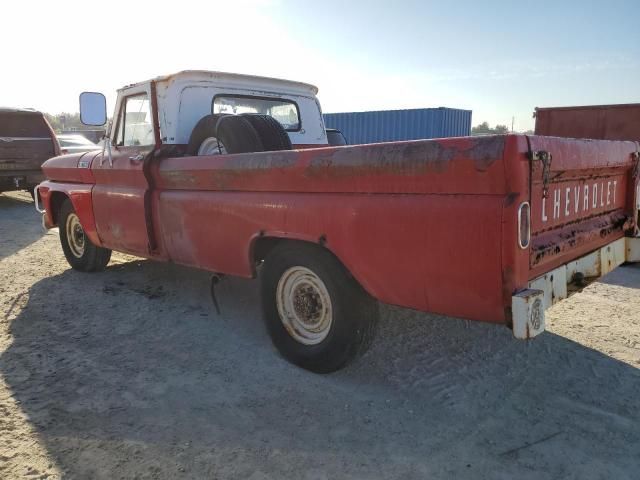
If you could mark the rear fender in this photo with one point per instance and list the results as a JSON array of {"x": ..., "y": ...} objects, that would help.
[
  {"x": 54, "y": 193},
  {"x": 261, "y": 244}
]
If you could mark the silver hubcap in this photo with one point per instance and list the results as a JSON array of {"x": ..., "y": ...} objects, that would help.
[
  {"x": 75, "y": 235},
  {"x": 211, "y": 146},
  {"x": 304, "y": 305}
]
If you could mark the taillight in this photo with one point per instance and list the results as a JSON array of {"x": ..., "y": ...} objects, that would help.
[{"x": 524, "y": 225}]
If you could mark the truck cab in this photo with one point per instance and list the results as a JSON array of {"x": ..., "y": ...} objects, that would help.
[
  {"x": 165, "y": 110},
  {"x": 179, "y": 115}
]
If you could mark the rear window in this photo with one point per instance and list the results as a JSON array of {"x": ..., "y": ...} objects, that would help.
[
  {"x": 18, "y": 124},
  {"x": 284, "y": 111}
]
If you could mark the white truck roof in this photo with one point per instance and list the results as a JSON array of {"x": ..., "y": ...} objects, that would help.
[
  {"x": 237, "y": 80},
  {"x": 186, "y": 97}
]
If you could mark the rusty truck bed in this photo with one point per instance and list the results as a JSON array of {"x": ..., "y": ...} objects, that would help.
[{"x": 431, "y": 225}]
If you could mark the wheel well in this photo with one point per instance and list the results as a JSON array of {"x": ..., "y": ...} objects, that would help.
[
  {"x": 263, "y": 246},
  {"x": 55, "y": 202}
]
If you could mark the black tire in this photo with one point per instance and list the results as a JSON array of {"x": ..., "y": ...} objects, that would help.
[
  {"x": 234, "y": 132},
  {"x": 238, "y": 135},
  {"x": 335, "y": 137},
  {"x": 205, "y": 128},
  {"x": 92, "y": 258},
  {"x": 354, "y": 312},
  {"x": 273, "y": 136}
]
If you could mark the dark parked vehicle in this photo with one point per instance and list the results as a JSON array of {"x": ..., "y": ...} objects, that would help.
[{"x": 26, "y": 141}]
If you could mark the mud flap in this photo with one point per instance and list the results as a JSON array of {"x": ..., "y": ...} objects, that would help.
[
  {"x": 633, "y": 249},
  {"x": 527, "y": 307}
]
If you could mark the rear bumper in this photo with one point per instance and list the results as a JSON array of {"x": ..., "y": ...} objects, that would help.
[
  {"x": 19, "y": 179},
  {"x": 528, "y": 305}
]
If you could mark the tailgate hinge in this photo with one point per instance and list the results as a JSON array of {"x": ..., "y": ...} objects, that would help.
[{"x": 545, "y": 157}]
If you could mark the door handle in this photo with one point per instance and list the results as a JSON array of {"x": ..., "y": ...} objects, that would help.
[{"x": 137, "y": 158}]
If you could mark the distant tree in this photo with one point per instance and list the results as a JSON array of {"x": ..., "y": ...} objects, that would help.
[
  {"x": 485, "y": 129},
  {"x": 482, "y": 129},
  {"x": 65, "y": 121}
]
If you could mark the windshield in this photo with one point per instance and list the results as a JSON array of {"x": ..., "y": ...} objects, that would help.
[{"x": 284, "y": 111}]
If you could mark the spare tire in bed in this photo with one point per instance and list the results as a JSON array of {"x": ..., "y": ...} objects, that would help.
[
  {"x": 272, "y": 134},
  {"x": 205, "y": 128},
  {"x": 222, "y": 133},
  {"x": 237, "y": 135}
]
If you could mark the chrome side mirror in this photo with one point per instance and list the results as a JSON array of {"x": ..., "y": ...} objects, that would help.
[{"x": 93, "y": 108}]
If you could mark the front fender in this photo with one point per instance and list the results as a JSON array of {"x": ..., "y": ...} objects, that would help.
[{"x": 54, "y": 193}]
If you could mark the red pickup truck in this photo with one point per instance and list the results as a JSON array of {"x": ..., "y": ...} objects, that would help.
[{"x": 233, "y": 174}]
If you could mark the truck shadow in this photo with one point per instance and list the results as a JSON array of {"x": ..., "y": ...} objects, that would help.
[
  {"x": 19, "y": 230},
  {"x": 628, "y": 277},
  {"x": 131, "y": 372}
]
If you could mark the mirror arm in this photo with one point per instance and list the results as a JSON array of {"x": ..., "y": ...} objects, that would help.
[{"x": 107, "y": 145}]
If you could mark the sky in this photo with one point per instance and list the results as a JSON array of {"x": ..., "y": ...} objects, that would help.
[{"x": 500, "y": 59}]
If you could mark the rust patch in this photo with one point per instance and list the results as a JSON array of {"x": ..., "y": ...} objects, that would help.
[
  {"x": 510, "y": 199},
  {"x": 485, "y": 151},
  {"x": 406, "y": 158},
  {"x": 575, "y": 235},
  {"x": 178, "y": 178},
  {"x": 262, "y": 161},
  {"x": 252, "y": 164}
]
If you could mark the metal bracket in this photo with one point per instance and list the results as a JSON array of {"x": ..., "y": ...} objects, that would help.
[
  {"x": 106, "y": 146},
  {"x": 545, "y": 157},
  {"x": 36, "y": 200},
  {"x": 636, "y": 167}
]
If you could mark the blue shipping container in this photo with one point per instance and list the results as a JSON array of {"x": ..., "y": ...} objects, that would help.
[{"x": 393, "y": 125}]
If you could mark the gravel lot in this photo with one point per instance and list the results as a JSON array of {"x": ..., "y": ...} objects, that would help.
[{"x": 131, "y": 374}]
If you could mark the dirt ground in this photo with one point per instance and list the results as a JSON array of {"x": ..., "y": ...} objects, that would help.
[{"x": 129, "y": 373}]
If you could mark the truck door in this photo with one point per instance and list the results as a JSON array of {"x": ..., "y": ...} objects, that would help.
[{"x": 120, "y": 185}]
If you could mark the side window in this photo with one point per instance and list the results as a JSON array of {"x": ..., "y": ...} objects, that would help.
[{"x": 134, "y": 125}]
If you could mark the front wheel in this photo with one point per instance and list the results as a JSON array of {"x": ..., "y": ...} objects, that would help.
[
  {"x": 317, "y": 315},
  {"x": 81, "y": 254}
]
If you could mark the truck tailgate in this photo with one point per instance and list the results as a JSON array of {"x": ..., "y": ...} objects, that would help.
[
  {"x": 24, "y": 153},
  {"x": 582, "y": 197}
]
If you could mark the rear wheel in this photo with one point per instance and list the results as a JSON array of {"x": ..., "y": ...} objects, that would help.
[
  {"x": 81, "y": 254},
  {"x": 317, "y": 315}
]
